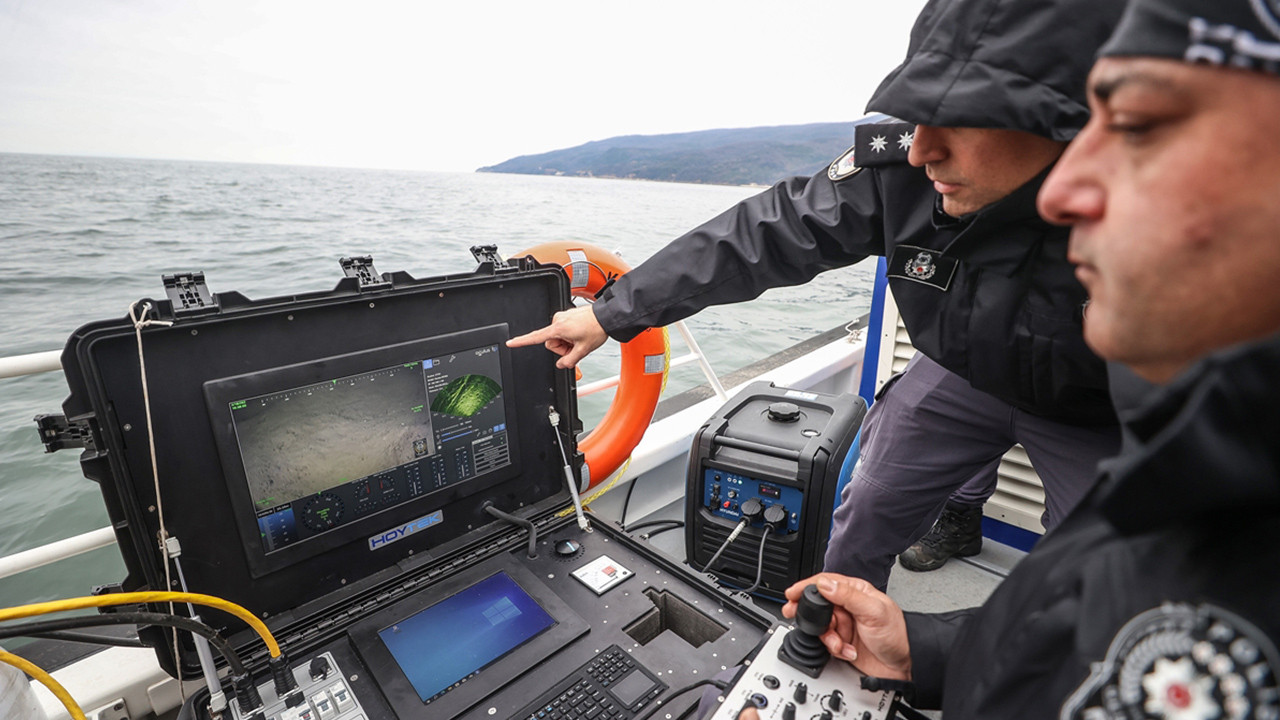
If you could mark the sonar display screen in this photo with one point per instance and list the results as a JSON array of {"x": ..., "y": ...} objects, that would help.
[{"x": 325, "y": 454}]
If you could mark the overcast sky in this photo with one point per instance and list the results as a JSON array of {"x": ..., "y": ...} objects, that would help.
[{"x": 424, "y": 85}]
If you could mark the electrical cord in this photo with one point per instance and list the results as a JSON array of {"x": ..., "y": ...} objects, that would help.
[
  {"x": 44, "y": 678},
  {"x": 526, "y": 524},
  {"x": 720, "y": 684},
  {"x": 88, "y": 638},
  {"x": 661, "y": 530},
  {"x": 666, "y": 525},
  {"x": 727, "y": 541},
  {"x": 650, "y": 523},
  {"x": 133, "y": 598},
  {"x": 626, "y": 503},
  {"x": 764, "y": 536},
  {"x": 129, "y": 618}
]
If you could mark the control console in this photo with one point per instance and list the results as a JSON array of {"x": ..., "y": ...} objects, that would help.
[
  {"x": 325, "y": 695},
  {"x": 794, "y": 678}
]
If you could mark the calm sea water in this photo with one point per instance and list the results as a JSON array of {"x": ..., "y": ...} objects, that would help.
[{"x": 84, "y": 237}]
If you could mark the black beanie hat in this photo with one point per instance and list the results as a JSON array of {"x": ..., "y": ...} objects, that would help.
[{"x": 1235, "y": 33}]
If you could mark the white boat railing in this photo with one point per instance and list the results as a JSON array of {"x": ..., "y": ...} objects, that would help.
[
  {"x": 32, "y": 364},
  {"x": 57, "y": 550},
  {"x": 41, "y": 362}
]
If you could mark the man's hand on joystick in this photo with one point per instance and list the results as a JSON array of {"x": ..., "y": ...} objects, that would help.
[{"x": 866, "y": 627}]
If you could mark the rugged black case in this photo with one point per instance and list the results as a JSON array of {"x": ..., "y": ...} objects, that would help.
[{"x": 313, "y": 604}]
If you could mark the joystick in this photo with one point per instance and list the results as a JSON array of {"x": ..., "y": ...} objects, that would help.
[
  {"x": 794, "y": 673},
  {"x": 801, "y": 649}
]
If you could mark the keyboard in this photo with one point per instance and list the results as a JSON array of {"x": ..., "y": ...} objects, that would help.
[{"x": 611, "y": 686}]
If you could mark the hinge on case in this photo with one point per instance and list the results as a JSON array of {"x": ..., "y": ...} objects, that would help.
[
  {"x": 57, "y": 433},
  {"x": 361, "y": 268},
  {"x": 188, "y": 293}
]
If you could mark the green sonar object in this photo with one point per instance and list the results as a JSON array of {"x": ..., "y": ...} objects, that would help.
[{"x": 466, "y": 396}]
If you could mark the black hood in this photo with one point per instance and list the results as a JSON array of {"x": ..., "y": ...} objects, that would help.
[{"x": 1011, "y": 64}]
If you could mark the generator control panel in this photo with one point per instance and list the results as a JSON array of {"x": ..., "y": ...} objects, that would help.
[{"x": 723, "y": 493}]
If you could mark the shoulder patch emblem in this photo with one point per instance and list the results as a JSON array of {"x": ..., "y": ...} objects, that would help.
[
  {"x": 1179, "y": 661},
  {"x": 843, "y": 166},
  {"x": 922, "y": 265}
]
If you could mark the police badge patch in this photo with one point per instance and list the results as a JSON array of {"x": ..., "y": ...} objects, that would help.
[
  {"x": 922, "y": 265},
  {"x": 1179, "y": 661},
  {"x": 843, "y": 166}
]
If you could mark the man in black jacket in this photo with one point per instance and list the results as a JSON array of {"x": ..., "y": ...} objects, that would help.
[
  {"x": 1158, "y": 596},
  {"x": 991, "y": 91}
]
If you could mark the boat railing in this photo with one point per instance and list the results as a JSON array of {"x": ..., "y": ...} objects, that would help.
[{"x": 42, "y": 362}]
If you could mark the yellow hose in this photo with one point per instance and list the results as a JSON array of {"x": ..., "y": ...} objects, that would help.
[
  {"x": 24, "y": 611},
  {"x": 55, "y": 687}
]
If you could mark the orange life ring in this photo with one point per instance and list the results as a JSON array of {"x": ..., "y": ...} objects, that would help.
[{"x": 644, "y": 360}]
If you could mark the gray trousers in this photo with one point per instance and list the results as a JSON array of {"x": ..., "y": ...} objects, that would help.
[{"x": 931, "y": 434}]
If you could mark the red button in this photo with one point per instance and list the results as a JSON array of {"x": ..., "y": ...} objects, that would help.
[{"x": 726, "y": 505}]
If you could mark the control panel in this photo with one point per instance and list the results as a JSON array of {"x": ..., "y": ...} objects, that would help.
[
  {"x": 723, "y": 493},
  {"x": 780, "y": 691},
  {"x": 325, "y": 695}
]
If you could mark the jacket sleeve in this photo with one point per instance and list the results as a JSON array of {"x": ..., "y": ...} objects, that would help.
[
  {"x": 931, "y": 637},
  {"x": 784, "y": 236}
]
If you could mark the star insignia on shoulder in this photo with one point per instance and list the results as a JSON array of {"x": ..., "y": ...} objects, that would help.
[
  {"x": 904, "y": 140},
  {"x": 878, "y": 143}
]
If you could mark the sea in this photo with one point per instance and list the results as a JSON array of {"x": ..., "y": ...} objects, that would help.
[{"x": 82, "y": 238}]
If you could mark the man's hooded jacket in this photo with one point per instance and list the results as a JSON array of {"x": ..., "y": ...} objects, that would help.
[{"x": 989, "y": 296}]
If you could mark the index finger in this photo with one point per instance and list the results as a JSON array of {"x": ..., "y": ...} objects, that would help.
[
  {"x": 856, "y": 595},
  {"x": 536, "y": 337}
]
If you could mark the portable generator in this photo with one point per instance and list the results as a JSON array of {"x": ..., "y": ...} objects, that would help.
[{"x": 765, "y": 469}]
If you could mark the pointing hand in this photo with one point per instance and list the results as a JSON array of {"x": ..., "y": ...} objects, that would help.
[{"x": 572, "y": 335}]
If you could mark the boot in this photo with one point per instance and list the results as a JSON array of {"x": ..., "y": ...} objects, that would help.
[{"x": 958, "y": 533}]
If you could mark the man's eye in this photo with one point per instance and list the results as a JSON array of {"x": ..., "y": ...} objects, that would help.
[{"x": 1132, "y": 131}]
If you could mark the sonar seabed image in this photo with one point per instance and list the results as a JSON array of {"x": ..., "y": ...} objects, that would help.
[{"x": 466, "y": 396}]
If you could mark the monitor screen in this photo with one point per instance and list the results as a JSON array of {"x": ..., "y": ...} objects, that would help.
[
  {"x": 318, "y": 456},
  {"x": 442, "y": 646},
  {"x": 331, "y": 448}
]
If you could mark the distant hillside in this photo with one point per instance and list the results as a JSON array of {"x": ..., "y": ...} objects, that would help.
[{"x": 744, "y": 156}]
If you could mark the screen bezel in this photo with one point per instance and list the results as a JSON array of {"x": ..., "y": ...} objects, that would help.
[
  {"x": 397, "y": 688},
  {"x": 220, "y": 392}
]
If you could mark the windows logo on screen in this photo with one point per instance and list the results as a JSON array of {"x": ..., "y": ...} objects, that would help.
[{"x": 502, "y": 611}]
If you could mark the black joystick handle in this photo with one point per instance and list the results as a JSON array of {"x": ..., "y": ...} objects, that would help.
[
  {"x": 801, "y": 648},
  {"x": 813, "y": 612}
]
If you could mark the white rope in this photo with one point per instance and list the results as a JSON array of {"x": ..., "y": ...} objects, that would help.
[{"x": 138, "y": 324}]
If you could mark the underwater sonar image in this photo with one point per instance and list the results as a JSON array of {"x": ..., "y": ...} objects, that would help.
[{"x": 466, "y": 396}]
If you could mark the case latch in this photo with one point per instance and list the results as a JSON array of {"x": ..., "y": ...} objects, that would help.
[
  {"x": 361, "y": 268},
  {"x": 57, "y": 433},
  {"x": 188, "y": 293},
  {"x": 487, "y": 254},
  {"x": 490, "y": 260}
]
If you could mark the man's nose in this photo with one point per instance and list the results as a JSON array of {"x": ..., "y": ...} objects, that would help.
[
  {"x": 928, "y": 145},
  {"x": 1071, "y": 194}
]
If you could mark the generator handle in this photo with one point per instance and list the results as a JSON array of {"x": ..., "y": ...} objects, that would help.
[{"x": 761, "y": 448}]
